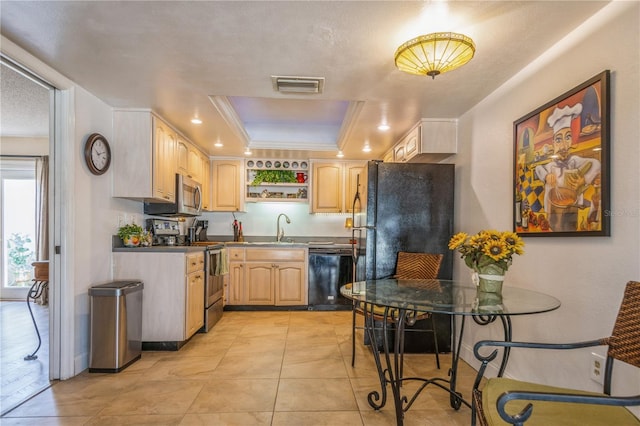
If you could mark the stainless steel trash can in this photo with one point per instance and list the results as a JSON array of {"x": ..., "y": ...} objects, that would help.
[{"x": 116, "y": 325}]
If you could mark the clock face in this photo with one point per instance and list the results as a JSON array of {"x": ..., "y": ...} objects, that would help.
[{"x": 97, "y": 154}]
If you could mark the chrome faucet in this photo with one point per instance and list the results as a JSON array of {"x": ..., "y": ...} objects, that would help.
[{"x": 279, "y": 231}]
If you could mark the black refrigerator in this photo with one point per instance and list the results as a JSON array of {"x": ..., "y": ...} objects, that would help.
[{"x": 409, "y": 207}]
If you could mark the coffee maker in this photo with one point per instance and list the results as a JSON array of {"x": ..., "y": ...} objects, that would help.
[{"x": 165, "y": 232}]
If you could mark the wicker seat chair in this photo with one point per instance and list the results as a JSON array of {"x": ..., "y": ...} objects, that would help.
[
  {"x": 409, "y": 266},
  {"x": 505, "y": 401}
]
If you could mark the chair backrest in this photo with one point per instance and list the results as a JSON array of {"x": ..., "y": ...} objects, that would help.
[
  {"x": 624, "y": 344},
  {"x": 418, "y": 266}
]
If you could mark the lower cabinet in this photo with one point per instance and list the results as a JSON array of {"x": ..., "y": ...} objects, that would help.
[
  {"x": 267, "y": 276},
  {"x": 194, "y": 319},
  {"x": 173, "y": 295}
]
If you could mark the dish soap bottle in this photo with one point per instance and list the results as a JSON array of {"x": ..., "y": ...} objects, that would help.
[{"x": 240, "y": 234}]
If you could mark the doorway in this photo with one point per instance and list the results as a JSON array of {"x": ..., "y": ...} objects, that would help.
[{"x": 26, "y": 123}]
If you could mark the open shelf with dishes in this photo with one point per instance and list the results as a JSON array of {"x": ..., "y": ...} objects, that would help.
[{"x": 275, "y": 180}]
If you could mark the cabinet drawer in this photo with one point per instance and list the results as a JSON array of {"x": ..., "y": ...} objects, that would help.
[
  {"x": 236, "y": 254},
  {"x": 265, "y": 255},
  {"x": 195, "y": 262}
]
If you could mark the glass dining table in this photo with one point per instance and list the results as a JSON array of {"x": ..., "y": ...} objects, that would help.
[{"x": 393, "y": 303}]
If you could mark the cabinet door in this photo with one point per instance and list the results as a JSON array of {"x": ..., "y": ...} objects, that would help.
[
  {"x": 233, "y": 293},
  {"x": 291, "y": 286},
  {"x": 259, "y": 284},
  {"x": 182, "y": 157},
  {"x": 226, "y": 185},
  {"x": 327, "y": 188},
  {"x": 352, "y": 171},
  {"x": 388, "y": 157},
  {"x": 164, "y": 165},
  {"x": 206, "y": 183},
  {"x": 195, "y": 303},
  {"x": 412, "y": 144},
  {"x": 399, "y": 153},
  {"x": 194, "y": 165}
]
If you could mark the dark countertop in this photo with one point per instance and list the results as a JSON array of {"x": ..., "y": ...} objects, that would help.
[{"x": 298, "y": 242}]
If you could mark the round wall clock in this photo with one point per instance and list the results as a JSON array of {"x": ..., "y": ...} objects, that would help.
[{"x": 97, "y": 154}]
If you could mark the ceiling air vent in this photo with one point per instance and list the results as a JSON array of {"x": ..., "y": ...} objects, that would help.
[{"x": 297, "y": 84}]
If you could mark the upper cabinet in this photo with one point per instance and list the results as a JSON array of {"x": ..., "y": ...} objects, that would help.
[
  {"x": 206, "y": 183},
  {"x": 148, "y": 153},
  {"x": 226, "y": 177},
  {"x": 144, "y": 157},
  {"x": 334, "y": 185},
  {"x": 428, "y": 141},
  {"x": 277, "y": 180}
]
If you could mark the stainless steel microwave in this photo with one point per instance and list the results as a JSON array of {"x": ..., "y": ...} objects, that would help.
[{"x": 188, "y": 200}]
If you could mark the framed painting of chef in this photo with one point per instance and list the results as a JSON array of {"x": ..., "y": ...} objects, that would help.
[{"x": 561, "y": 170}]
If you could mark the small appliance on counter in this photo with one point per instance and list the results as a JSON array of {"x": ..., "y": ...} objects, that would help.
[
  {"x": 201, "y": 230},
  {"x": 166, "y": 232}
]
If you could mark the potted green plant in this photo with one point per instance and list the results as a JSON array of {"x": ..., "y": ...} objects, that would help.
[
  {"x": 273, "y": 176},
  {"x": 20, "y": 256},
  {"x": 130, "y": 234}
]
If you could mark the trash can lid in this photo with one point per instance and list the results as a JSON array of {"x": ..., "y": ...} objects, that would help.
[{"x": 116, "y": 288}]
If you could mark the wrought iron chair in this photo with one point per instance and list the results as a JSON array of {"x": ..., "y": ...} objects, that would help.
[
  {"x": 409, "y": 266},
  {"x": 504, "y": 401}
]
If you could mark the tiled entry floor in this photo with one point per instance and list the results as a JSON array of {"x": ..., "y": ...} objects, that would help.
[{"x": 253, "y": 368}]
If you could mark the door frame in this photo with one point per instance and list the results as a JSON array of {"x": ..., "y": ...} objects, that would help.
[{"x": 61, "y": 276}]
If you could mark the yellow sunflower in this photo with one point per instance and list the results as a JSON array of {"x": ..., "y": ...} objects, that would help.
[
  {"x": 514, "y": 242},
  {"x": 496, "y": 249},
  {"x": 457, "y": 240}
]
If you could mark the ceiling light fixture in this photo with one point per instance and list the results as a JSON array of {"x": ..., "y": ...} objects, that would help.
[
  {"x": 434, "y": 54},
  {"x": 218, "y": 144},
  {"x": 196, "y": 121},
  {"x": 384, "y": 127},
  {"x": 247, "y": 151},
  {"x": 366, "y": 148},
  {"x": 340, "y": 154}
]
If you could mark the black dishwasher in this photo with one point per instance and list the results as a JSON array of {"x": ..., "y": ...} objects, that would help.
[{"x": 329, "y": 269}]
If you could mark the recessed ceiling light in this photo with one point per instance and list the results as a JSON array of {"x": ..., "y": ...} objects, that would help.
[
  {"x": 384, "y": 127},
  {"x": 218, "y": 144},
  {"x": 247, "y": 151},
  {"x": 196, "y": 121},
  {"x": 340, "y": 154},
  {"x": 366, "y": 148}
]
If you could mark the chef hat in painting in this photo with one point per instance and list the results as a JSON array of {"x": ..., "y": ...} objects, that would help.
[{"x": 562, "y": 117}]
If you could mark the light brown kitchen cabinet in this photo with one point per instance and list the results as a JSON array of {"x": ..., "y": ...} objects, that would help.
[
  {"x": 267, "y": 276},
  {"x": 195, "y": 293},
  {"x": 206, "y": 182},
  {"x": 326, "y": 196},
  {"x": 233, "y": 292},
  {"x": 259, "y": 284},
  {"x": 173, "y": 298},
  {"x": 429, "y": 140},
  {"x": 144, "y": 151},
  {"x": 226, "y": 185},
  {"x": 334, "y": 186}
]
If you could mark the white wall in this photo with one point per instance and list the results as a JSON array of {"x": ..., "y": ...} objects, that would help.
[
  {"x": 587, "y": 274},
  {"x": 95, "y": 213}
]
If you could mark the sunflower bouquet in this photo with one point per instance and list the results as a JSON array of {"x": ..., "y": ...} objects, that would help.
[{"x": 487, "y": 249}]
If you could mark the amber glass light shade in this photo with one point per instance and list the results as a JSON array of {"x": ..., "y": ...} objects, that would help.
[{"x": 434, "y": 54}]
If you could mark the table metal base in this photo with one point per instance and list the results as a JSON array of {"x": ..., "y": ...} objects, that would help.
[{"x": 392, "y": 374}]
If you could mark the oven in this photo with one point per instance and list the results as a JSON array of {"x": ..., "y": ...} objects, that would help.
[{"x": 214, "y": 286}]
